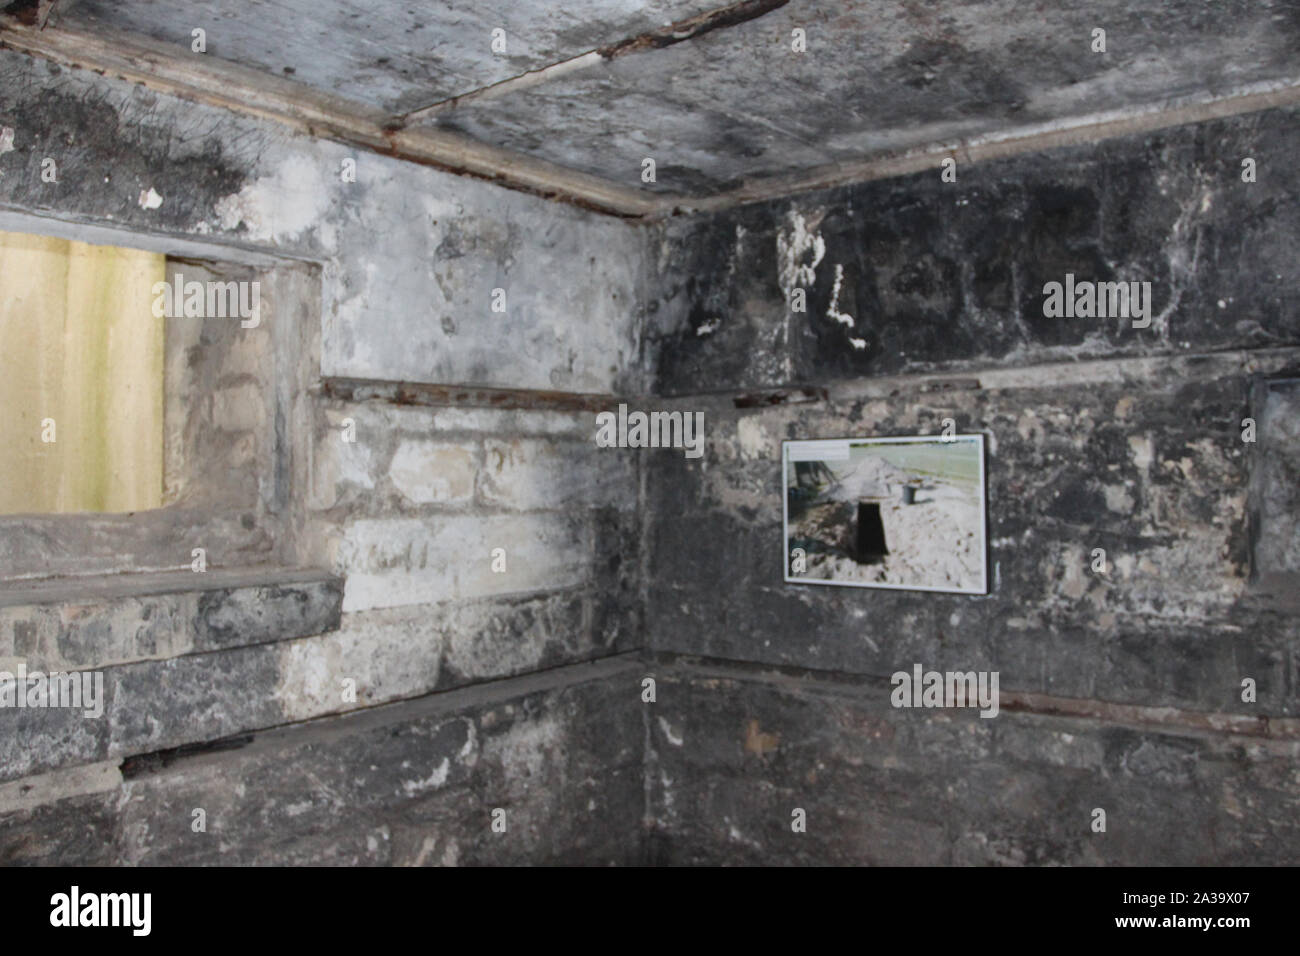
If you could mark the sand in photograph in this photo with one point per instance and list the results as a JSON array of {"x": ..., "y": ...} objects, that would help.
[{"x": 927, "y": 497}]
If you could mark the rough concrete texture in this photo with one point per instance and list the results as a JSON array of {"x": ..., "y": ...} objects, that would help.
[
  {"x": 407, "y": 512},
  {"x": 1143, "y": 458},
  {"x": 739, "y": 104},
  {"x": 734, "y": 751},
  {"x": 390, "y": 714},
  {"x": 1277, "y": 485},
  {"x": 925, "y": 302},
  {"x": 529, "y": 517},
  {"x": 916, "y": 274},
  {"x": 394, "y": 58},
  {"x": 120, "y": 619},
  {"x": 409, "y": 784},
  {"x": 426, "y": 608},
  {"x": 177, "y": 666},
  {"x": 1148, "y": 465},
  {"x": 411, "y": 256},
  {"x": 553, "y": 503}
]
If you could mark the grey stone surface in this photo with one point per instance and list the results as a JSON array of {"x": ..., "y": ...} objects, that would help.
[
  {"x": 733, "y": 752},
  {"x": 1150, "y": 468},
  {"x": 97, "y": 622},
  {"x": 38, "y": 739},
  {"x": 410, "y": 255},
  {"x": 1276, "y": 477},
  {"x": 74, "y": 831},
  {"x": 478, "y": 689},
  {"x": 387, "y": 655},
  {"x": 394, "y": 57},
  {"x": 146, "y": 640},
  {"x": 922, "y": 275},
  {"x": 737, "y": 104},
  {"x": 412, "y": 783},
  {"x": 1138, "y": 451},
  {"x": 266, "y": 614},
  {"x": 1098, "y": 436},
  {"x": 355, "y": 273}
]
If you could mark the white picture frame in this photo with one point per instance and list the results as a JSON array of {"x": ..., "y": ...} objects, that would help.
[{"x": 906, "y": 513}]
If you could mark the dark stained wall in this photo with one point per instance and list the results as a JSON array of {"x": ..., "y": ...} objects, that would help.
[{"x": 1099, "y": 435}]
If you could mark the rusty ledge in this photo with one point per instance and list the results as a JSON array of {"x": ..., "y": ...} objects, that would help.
[{"x": 459, "y": 396}]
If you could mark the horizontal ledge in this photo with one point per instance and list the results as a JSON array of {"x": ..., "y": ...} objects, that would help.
[
  {"x": 1069, "y": 131},
  {"x": 48, "y": 784},
  {"x": 460, "y": 396},
  {"x": 60, "y": 224},
  {"x": 1169, "y": 719},
  {"x": 449, "y": 703},
  {"x": 90, "y": 589},
  {"x": 993, "y": 375}
]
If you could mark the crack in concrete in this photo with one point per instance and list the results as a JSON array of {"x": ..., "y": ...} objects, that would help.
[
  {"x": 674, "y": 33},
  {"x": 692, "y": 27}
]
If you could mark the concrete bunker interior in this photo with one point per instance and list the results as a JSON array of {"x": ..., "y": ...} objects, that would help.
[{"x": 437, "y": 623}]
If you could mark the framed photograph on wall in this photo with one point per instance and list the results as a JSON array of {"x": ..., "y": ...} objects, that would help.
[{"x": 902, "y": 513}]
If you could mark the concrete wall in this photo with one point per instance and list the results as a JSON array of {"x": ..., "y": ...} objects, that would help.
[
  {"x": 949, "y": 275},
  {"x": 410, "y": 514},
  {"x": 737, "y": 749},
  {"x": 410, "y": 255},
  {"x": 1099, "y": 436},
  {"x": 350, "y": 542},
  {"x": 352, "y": 621},
  {"x": 411, "y": 784}
]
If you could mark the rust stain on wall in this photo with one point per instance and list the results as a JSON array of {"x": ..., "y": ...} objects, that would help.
[{"x": 758, "y": 742}]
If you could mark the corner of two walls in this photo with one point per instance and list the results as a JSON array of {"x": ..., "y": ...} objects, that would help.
[
  {"x": 923, "y": 303},
  {"x": 535, "y": 711}
]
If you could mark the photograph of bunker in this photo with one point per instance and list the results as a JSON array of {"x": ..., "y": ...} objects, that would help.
[{"x": 902, "y": 513}]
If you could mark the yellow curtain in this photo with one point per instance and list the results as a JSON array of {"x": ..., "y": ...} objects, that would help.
[{"x": 81, "y": 362}]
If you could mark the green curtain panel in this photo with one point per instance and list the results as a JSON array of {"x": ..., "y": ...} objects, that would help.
[{"x": 81, "y": 362}]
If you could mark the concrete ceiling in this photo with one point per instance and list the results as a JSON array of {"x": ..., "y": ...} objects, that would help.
[
  {"x": 723, "y": 104},
  {"x": 396, "y": 56},
  {"x": 879, "y": 76}
]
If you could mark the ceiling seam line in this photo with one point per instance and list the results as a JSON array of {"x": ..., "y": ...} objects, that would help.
[{"x": 674, "y": 33}]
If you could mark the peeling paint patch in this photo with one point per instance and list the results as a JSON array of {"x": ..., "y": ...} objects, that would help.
[
  {"x": 149, "y": 199},
  {"x": 1142, "y": 451},
  {"x": 284, "y": 205},
  {"x": 674, "y": 739},
  {"x": 799, "y": 250},
  {"x": 1118, "y": 499},
  {"x": 526, "y": 748},
  {"x": 832, "y": 310},
  {"x": 435, "y": 779},
  {"x": 6, "y": 140},
  {"x": 752, "y": 437}
]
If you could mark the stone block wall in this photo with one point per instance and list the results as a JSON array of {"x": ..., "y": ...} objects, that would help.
[
  {"x": 393, "y": 631},
  {"x": 418, "y": 609},
  {"x": 1123, "y": 690}
]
